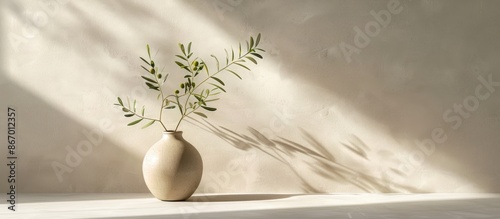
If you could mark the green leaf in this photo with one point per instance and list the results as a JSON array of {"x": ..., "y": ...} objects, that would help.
[
  {"x": 149, "y": 53},
  {"x": 232, "y": 54},
  {"x": 125, "y": 110},
  {"x": 151, "y": 86},
  {"x": 181, "y": 57},
  {"x": 135, "y": 103},
  {"x": 257, "y": 55},
  {"x": 205, "y": 66},
  {"x": 218, "y": 80},
  {"x": 251, "y": 59},
  {"x": 148, "y": 79},
  {"x": 217, "y": 60},
  {"x": 145, "y": 69},
  {"x": 235, "y": 74},
  {"x": 251, "y": 42},
  {"x": 129, "y": 115},
  {"x": 260, "y": 49},
  {"x": 120, "y": 101},
  {"x": 258, "y": 40},
  {"x": 222, "y": 89},
  {"x": 145, "y": 61},
  {"x": 189, "y": 47},
  {"x": 243, "y": 66},
  {"x": 182, "y": 48},
  {"x": 170, "y": 107},
  {"x": 227, "y": 56},
  {"x": 209, "y": 108},
  {"x": 200, "y": 114},
  {"x": 149, "y": 124},
  {"x": 165, "y": 78},
  {"x": 143, "y": 109},
  {"x": 134, "y": 122},
  {"x": 187, "y": 76},
  {"x": 180, "y": 64},
  {"x": 239, "y": 50},
  {"x": 198, "y": 97}
]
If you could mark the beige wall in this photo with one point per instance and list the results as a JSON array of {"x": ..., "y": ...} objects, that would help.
[{"x": 339, "y": 104}]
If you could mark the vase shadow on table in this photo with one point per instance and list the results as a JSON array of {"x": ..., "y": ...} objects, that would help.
[
  {"x": 319, "y": 161},
  {"x": 238, "y": 197}
]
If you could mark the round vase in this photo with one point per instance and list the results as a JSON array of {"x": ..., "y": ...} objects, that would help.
[{"x": 172, "y": 168}]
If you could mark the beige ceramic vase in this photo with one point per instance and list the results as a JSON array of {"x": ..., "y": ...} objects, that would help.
[{"x": 172, "y": 168}]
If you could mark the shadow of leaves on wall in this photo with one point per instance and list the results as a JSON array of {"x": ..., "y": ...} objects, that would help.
[{"x": 313, "y": 157}]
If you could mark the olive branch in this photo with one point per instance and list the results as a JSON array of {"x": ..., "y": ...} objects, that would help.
[{"x": 200, "y": 88}]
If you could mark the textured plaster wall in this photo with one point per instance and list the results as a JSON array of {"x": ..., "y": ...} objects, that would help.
[{"x": 352, "y": 96}]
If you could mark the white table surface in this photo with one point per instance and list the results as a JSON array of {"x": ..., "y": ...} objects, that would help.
[{"x": 362, "y": 206}]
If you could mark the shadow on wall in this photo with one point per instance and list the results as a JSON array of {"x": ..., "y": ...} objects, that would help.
[
  {"x": 58, "y": 153},
  {"x": 86, "y": 159},
  {"x": 71, "y": 155},
  {"x": 390, "y": 89},
  {"x": 427, "y": 60},
  {"x": 315, "y": 158}
]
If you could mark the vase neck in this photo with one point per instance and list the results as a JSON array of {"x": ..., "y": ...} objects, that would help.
[{"x": 176, "y": 135}]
